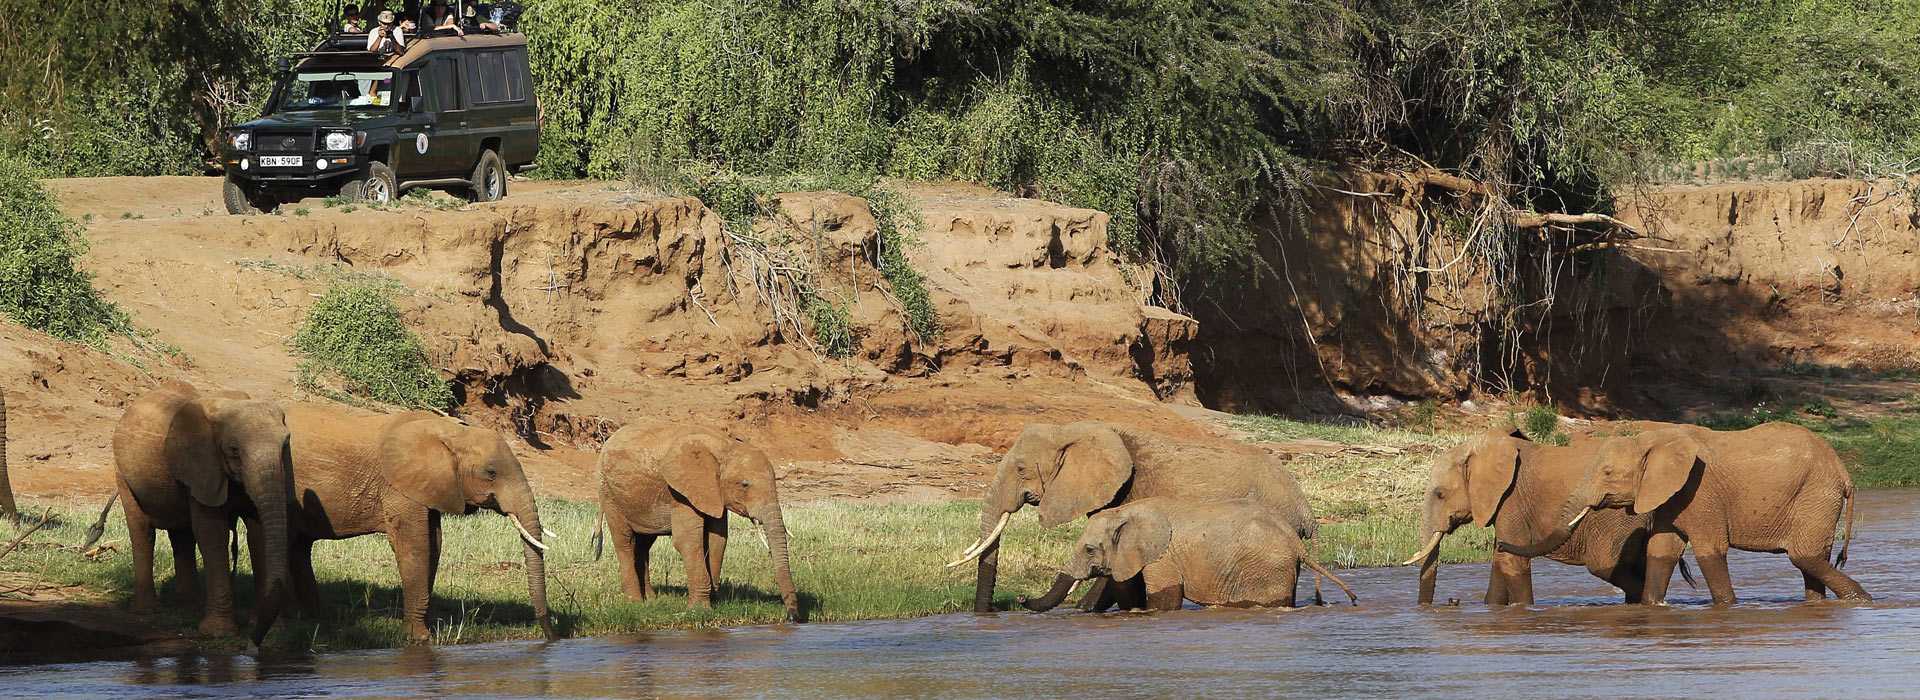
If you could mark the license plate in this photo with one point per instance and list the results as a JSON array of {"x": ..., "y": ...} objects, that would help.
[{"x": 280, "y": 161}]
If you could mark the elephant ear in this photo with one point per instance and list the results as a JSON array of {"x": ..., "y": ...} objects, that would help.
[
  {"x": 1139, "y": 540},
  {"x": 1491, "y": 468},
  {"x": 1665, "y": 468},
  {"x": 194, "y": 455},
  {"x": 693, "y": 471},
  {"x": 1094, "y": 464},
  {"x": 420, "y": 464}
]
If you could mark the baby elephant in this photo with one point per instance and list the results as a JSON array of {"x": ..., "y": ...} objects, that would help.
[{"x": 1236, "y": 553}]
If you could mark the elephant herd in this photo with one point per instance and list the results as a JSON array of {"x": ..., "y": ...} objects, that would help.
[
  {"x": 1170, "y": 522},
  {"x": 193, "y": 463},
  {"x": 1167, "y": 521}
]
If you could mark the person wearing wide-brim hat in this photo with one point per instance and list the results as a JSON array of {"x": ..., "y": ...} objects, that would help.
[{"x": 387, "y": 37}]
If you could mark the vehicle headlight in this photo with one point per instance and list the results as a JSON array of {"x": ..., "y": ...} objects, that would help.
[
  {"x": 242, "y": 141},
  {"x": 339, "y": 141}
]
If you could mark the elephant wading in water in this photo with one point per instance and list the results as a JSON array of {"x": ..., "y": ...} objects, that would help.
[
  {"x": 660, "y": 478},
  {"x": 190, "y": 464},
  {"x": 1774, "y": 488},
  {"x": 1084, "y": 468},
  {"x": 1514, "y": 485},
  {"x": 1234, "y": 553},
  {"x": 357, "y": 473}
]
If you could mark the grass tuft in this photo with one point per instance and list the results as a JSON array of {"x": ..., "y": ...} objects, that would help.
[{"x": 354, "y": 337}]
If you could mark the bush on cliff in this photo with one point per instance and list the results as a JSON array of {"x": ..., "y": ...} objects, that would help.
[
  {"x": 41, "y": 284},
  {"x": 355, "y": 343}
]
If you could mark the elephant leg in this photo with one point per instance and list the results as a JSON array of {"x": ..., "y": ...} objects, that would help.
[
  {"x": 1712, "y": 557},
  {"x": 716, "y": 548},
  {"x": 1630, "y": 579},
  {"x": 690, "y": 539},
  {"x": 1513, "y": 576},
  {"x": 632, "y": 562},
  {"x": 210, "y": 530},
  {"x": 1815, "y": 589},
  {"x": 412, "y": 553},
  {"x": 1099, "y": 595},
  {"x": 1663, "y": 552},
  {"x": 1130, "y": 594},
  {"x": 1166, "y": 597},
  {"x": 305, "y": 586},
  {"x": 1815, "y": 567},
  {"x": 140, "y": 535},
  {"x": 186, "y": 569},
  {"x": 642, "y": 559},
  {"x": 1289, "y": 584}
]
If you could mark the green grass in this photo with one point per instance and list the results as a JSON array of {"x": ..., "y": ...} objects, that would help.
[
  {"x": 354, "y": 343},
  {"x": 851, "y": 561},
  {"x": 1368, "y": 497}
]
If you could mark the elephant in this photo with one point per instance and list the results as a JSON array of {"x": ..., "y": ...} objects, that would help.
[
  {"x": 1083, "y": 468},
  {"x": 357, "y": 473},
  {"x": 1776, "y": 487},
  {"x": 659, "y": 478},
  {"x": 189, "y": 464},
  {"x": 8, "y": 507},
  {"x": 1503, "y": 480},
  {"x": 1235, "y": 553}
]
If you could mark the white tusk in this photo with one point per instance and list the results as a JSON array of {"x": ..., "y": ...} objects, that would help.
[
  {"x": 1432, "y": 544},
  {"x": 981, "y": 546},
  {"x": 1074, "y": 587},
  {"x": 1577, "y": 518},
  {"x": 763, "y": 538},
  {"x": 547, "y": 533},
  {"x": 528, "y": 536}
]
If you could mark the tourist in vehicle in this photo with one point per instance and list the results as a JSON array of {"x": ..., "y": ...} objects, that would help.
[
  {"x": 504, "y": 15},
  {"x": 350, "y": 21},
  {"x": 440, "y": 20},
  {"x": 386, "y": 38}
]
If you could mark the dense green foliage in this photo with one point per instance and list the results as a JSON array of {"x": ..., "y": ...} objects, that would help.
[
  {"x": 354, "y": 335},
  {"x": 1184, "y": 120},
  {"x": 41, "y": 284}
]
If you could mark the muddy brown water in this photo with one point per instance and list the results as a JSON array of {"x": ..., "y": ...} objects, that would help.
[{"x": 1578, "y": 643}]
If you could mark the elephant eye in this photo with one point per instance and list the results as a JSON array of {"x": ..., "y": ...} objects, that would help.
[
  {"x": 1091, "y": 547},
  {"x": 492, "y": 474}
]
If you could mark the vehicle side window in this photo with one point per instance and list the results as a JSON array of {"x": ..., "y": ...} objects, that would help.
[
  {"x": 412, "y": 79},
  {"x": 488, "y": 71},
  {"x": 517, "y": 75},
  {"x": 445, "y": 83}
]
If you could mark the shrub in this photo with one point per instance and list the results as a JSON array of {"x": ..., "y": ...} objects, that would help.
[
  {"x": 1542, "y": 424},
  {"x": 354, "y": 336},
  {"x": 41, "y": 284}
]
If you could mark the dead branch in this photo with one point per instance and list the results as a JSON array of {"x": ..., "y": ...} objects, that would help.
[
  {"x": 45, "y": 518},
  {"x": 1535, "y": 220}
]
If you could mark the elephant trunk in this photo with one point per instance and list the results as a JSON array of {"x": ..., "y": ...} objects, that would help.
[
  {"x": 271, "y": 493},
  {"x": 8, "y": 507},
  {"x": 1063, "y": 585},
  {"x": 1570, "y": 516},
  {"x": 1003, "y": 498},
  {"x": 528, "y": 521},
  {"x": 775, "y": 528}
]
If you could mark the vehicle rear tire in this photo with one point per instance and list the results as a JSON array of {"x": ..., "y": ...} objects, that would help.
[
  {"x": 377, "y": 186},
  {"x": 244, "y": 203},
  {"x": 489, "y": 181}
]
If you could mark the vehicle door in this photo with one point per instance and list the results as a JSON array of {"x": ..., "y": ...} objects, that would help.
[
  {"x": 418, "y": 105},
  {"x": 448, "y": 148},
  {"x": 503, "y": 114}
]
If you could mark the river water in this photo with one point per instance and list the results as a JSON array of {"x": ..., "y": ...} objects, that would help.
[{"x": 1579, "y": 642}]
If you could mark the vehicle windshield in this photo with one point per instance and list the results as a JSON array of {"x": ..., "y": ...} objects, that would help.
[{"x": 361, "y": 89}]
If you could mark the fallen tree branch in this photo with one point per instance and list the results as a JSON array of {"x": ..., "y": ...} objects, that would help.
[
  {"x": 1533, "y": 220},
  {"x": 45, "y": 518}
]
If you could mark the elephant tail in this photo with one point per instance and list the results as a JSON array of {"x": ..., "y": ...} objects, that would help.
[
  {"x": 1846, "y": 536},
  {"x": 1322, "y": 572},
  {"x": 1686, "y": 573},
  {"x": 99, "y": 526},
  {"x": 599, "y": 537}
]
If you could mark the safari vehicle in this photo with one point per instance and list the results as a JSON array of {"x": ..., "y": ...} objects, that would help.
[{"x": 454, "y": 112}]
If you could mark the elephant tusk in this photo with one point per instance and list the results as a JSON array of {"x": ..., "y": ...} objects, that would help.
[
  {"x": 547, "y": 533},
  {"x": 1432, "y": 544},
  {"x": 984, "y": 542},
  {"x": 763, "y": 537},
  {"x": 528, "y": 536},
  {"x": 1578, "y": 518}
]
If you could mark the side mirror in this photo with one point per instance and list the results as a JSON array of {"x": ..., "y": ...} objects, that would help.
[{"x": 416, "y": 104}]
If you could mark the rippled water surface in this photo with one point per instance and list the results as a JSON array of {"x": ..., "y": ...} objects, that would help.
[{"x": 1578, "y": 643}]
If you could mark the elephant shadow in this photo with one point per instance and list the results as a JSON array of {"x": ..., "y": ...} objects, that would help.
[
  {"x": 355, "y": 613},
  {"x": 731, "y": 592}
]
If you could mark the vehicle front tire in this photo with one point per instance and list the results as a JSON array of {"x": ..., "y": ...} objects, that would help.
[
  {"x": 377, "y": 186},
  {"x": 489, "y": 181},
  {"x": 240, "y": 201}
]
